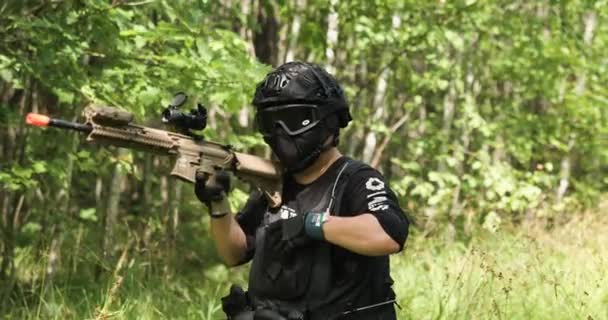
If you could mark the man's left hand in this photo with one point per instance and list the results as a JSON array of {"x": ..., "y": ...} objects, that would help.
[{"x": 303, "y": 229}]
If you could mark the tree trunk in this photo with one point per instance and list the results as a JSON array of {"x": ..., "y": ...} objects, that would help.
[
  {"x": 378, "y": 105},
  {"x": 266, "y": 38},
  {"x": 100, "y": 210},
  {"x": 172, "y": 222},
  {"x": 332, "y": 36},
  {"x": 294, "y": 30},
  {"x": 247, "y": 35},
  {"x": 245, "y": 30},
  {"x": 449, "y": 107},
  {"x": 564, "y": 172},
  {"x": 375, "y": 162},
  {"x": 146, "y": 202},
  {"x": 7, "y": 141},
  {"x": 590, "y": 22},
  {"x": 113, "y": 207},
  {"x": 10, "y": 201},
  {"x": 54, "y": 261}
]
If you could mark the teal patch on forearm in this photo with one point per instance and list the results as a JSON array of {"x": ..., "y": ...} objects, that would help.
[{"x": 314, "y": 224}]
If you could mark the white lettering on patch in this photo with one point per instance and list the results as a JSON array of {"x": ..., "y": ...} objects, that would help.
[
  {"x": 378, "y": 203},
  {"x": 287, "y": 212},
  {"x": 374, "y": 184},
  {"x": 371, "y": 195}
]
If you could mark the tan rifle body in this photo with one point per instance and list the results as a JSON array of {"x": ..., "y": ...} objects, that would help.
[{"x": 113, "y": 126}]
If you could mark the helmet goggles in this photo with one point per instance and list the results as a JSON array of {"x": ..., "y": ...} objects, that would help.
[{"x": 292, "y": 118}]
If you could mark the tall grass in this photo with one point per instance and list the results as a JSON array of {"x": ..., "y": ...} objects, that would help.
[
  {"x": 521, "y": 273},
  {"x": 524, "y": 274}
]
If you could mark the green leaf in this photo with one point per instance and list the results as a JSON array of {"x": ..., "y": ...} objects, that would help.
[
  {"x": 88, "y": 214},
  {"x": 39, "y": 167},
  {"x": 6, "y": 75},
  {"x": 32, "y": 227}
]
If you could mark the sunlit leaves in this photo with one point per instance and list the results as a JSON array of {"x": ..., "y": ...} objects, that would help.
[
  {"x": 21, "y": 177},
  {"x": 88, "y": 214}
]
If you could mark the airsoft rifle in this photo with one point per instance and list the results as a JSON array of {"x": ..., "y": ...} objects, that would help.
[{"x": 193, "y": 154}]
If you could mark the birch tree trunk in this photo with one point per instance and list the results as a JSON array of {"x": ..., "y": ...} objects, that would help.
[
  {"x": 378, "y": 105},
  {"x": 100, "y": 206},
  {"x": 146, "y": 202},
  {"x": 590, "y": 22},
  {"x": 332, "y": 36},
  {"x": 449, "y": 106},
  {"x": 247, "y": 35},
  {"x": 172, "y": 214},
  {"x": 245, "y": 31},
  {"x": 294, "y": 30},
  {"x": 113, "y": 206}
]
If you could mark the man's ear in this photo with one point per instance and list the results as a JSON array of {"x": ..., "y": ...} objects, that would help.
[
  {"x": 335, "y": 138},
  {"x": 332, "y": 140},
  {"x": 333, "y": 124}
]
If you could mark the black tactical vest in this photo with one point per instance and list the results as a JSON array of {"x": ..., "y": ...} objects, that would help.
[{"x": 300, "y": 279}]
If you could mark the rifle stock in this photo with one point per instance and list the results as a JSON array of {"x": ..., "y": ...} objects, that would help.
[{"x": 112, "y": 126}]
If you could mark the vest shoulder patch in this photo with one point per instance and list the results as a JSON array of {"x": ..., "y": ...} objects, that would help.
[{"x": 374, "y": 184}]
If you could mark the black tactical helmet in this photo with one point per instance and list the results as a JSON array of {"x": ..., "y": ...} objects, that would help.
[{"x": 303, "y": 83}]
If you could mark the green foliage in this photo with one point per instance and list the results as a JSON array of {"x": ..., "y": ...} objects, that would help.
[
  {"x": 505, "y": 119},
  {"x": 496, "y": 94},
  {"x": 20, "y": 178}
]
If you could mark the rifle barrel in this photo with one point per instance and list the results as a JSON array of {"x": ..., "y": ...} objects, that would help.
[{"x": 40, "y": 120}]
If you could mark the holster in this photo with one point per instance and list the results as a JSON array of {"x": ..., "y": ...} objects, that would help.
[
  {"x": 236, "y": 303},
  {"x": 266, "y": 314},
  {"x": 237, "y": 306}
]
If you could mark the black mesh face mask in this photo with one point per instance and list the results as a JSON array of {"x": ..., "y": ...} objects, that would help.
[{"x": 297, "y": 152}]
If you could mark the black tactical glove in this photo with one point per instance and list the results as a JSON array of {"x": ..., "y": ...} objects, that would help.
[{"x": 211, "y": 187}]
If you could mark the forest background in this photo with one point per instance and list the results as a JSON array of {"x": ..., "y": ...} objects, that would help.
[{"x": 489, "y": 118}]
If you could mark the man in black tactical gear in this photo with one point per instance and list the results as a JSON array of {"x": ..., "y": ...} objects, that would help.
[{"x": 323, "y": 254}]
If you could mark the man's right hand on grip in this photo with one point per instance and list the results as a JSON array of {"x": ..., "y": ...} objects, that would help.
[{"x": 212, "y": 188}]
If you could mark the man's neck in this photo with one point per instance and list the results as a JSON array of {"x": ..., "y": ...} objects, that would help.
[{"x": 318, "y": 168}]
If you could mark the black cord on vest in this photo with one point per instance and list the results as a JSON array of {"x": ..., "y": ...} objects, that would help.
[
  {"x": 333, "y": 191},
  {"x": 371, "y": 306}
]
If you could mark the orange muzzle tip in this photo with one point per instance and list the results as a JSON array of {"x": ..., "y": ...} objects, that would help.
[{"x": 38, "y": 120}]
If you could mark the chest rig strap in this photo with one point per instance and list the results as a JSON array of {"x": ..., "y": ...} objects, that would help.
[{"x": 321, "y": 281}]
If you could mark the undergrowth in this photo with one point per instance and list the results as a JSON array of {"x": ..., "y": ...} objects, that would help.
[{"x": 514, "y": 273}]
